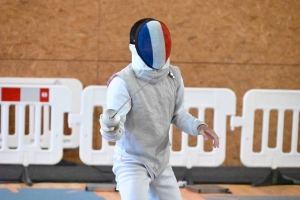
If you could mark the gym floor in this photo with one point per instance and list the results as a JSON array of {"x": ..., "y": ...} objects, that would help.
[{"x": 239, "y": 192}]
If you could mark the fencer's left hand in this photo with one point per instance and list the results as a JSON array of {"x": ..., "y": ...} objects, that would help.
[{"x": 207, "y": 132}]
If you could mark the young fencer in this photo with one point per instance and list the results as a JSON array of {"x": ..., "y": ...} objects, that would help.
[{"x": 143, "y": 100}]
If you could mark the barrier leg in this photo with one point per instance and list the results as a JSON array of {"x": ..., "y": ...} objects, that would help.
[
  {"x": 201, "y": 188},
  {"x": 102, "y": 187},
  {"x": 273, "y": 178},
  {"x": 25, "y": 177},
  {"x": 188, "y": 177},
  {"x": 208, "y": 189}
]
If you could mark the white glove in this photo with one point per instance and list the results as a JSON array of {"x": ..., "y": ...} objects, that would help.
[{"x": 106, "y": 128}]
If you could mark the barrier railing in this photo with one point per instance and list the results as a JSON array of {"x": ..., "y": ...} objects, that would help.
[
  {"x": 59, "y": 98},
  {"x": 223, "y": 102},
  {"x": 267, "y": 100},
  {"x": 70, "y": 140},
  {"x": 91, "y": 96},
  {"x": 40, "y": 105}
]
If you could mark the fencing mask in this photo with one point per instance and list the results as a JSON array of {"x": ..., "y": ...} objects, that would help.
[{"x": 152, "y": 41}]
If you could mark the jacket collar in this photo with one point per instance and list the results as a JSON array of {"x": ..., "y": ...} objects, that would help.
[{"x": 145, "y": 73}]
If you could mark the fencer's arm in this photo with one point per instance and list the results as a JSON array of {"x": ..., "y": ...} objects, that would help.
[
  {"x": 117, "y": 94},
  {"x": 182, "y": 119}
]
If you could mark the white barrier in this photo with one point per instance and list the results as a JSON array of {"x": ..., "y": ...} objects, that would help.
[
  {"x": 267, "y": 100},
  {"x": 223, "y": 101},
  {"x": 59, "y": 98},
  {"x": 91, "y": 96},
  {"x": 70, "y": 140}
]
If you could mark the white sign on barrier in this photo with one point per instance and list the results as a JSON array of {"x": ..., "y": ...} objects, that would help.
[
  {"x": 267, "y": 100},
  {"x": 70, "y": 140},
  {"x": 223, "y": 101},
  {"x": 59, "y": 98}
]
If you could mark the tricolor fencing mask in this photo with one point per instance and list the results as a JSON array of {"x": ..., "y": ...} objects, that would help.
[{"x": 152, "y": 41}]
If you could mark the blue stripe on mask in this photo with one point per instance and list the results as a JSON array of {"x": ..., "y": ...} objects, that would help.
[{"x": 145, "y": 45}]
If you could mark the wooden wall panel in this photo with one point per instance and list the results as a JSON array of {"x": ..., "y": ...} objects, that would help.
[
  {"x": 209, "y": 31},
  {"x": 86, "y": 72},
  {"x": 49, "y": 29}
]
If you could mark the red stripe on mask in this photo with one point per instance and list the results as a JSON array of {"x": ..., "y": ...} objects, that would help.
[{"x": 167, "y": 38}]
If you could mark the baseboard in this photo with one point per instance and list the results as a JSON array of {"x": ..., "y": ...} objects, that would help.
[{"x": 71, "y": 172}]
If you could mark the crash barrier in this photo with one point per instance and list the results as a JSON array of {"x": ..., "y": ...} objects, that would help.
[
  {"x": 92, "y": 96},
  {"x": 70, "y": 140},
  {"x": 266, "y": 101},
  {"x": 221, "y": 100},
  {"x": 38, "y": 97}
]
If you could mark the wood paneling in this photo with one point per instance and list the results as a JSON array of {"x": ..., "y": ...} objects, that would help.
[{"x": 49, "y": 29}]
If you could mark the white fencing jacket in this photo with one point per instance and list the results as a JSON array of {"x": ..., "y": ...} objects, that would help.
[{"x": 146, "y": 118}]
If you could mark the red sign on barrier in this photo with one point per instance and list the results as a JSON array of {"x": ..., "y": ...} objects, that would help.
[
  {"x": 25, "y": 94},
  {"x": 10, "y": 94},
  {"x": 44, "y": 95}
]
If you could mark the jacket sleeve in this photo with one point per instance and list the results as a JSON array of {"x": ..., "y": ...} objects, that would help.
[
  {"x": 117, "y": 94},
  {"x": 182, "y": 119}
]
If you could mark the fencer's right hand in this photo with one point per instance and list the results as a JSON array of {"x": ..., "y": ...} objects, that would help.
[{"x": 107, "y": 128}]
